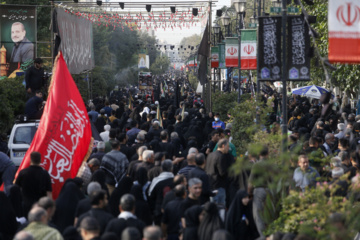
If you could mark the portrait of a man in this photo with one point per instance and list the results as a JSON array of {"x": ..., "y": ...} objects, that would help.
[{"x": 23, "y": 49}]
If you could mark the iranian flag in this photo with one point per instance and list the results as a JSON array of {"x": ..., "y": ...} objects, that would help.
[
  {"x": 248, "y": 50},
  {"x": 344, "y": 31},
  {"x": 64, "y": 134},
  {"x": 231, "y": 52},
  {"x": 214, "y": 57}
]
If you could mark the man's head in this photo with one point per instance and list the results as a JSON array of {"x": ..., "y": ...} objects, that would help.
[
  {"x": 130, "y": 233},
  {"x": 38, "y": 62},
  {"x": 49, "y": 205},
  {"x": 92, "y": 187},
  {"x": 123, "y": 138},
  {"x": 215, "y": 136},
  {"x": 330, "y": 139},
  {"x": 35, "y": 158},
  {"x": 94, "y": 164},
  {"x": 180, "y": 191},
  {"x": 89, "y": 228},
  {"x": 337, "y": 172},
  {"x": 164, "y": 135},
  {"x": 152, "y": 233},
  {"x": 167, "y": 166},
  {"x": 115, "y": 144},
  {"x": 107, "y": 127},
  {"x": 217, "y": 117},
  {"x": 23, "y": 235},
  {"x": 98, "y": 199},
  {"x": 148, "y": 156},
  {"x": 345, "y": 157},
  {"x": 127, "y": 203},
  {"x": 140, "y": 152},
  {"x": 180, "y": 179},
  {"x": 38, "y": 93},
  {"x": 101, "y": 146},
  {"x": 191, "y": 159},
  {"x": 17, "y": 32},
  {"x": 223, "y": 145},
  {"x": 38, "y": 214},
  {"x": 195, "y": 188},
  {"x": 303, "y": 162},
  {"x": 200, "y": 160}
]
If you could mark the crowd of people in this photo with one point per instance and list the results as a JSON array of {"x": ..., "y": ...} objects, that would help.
[{"x": 168, "y": 178}]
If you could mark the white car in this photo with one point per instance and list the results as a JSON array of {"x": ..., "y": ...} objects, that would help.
[{"x": 20, "y": 139}]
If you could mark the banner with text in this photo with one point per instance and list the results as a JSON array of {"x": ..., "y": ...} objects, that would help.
[
  {"x": 76, "y": 41},
  {"x": 231, "y": 52},
  {"x": 269, "y": 47},
  {"x": 214, "y": 57},
  {"x": 298, "y": 46},
  {"x": 248, "y": 50},
  {"x": 344, "y": 31}
]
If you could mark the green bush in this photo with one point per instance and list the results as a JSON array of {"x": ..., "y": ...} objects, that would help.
[
  {"x": 12, "y": 101},
  {"x": 223, "y": 103}
]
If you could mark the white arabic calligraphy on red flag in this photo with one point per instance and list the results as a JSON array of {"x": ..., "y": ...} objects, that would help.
[
  {"x": 64, "y": 133},
  {"x": 344, "y": 31}
]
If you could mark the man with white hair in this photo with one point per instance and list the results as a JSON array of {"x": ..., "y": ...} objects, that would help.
[
  {"x": 338, "y": 187},
  {"x": 38, "y": 226},
  {"x": 148, "y": 160},
  {"x": 134, "y": 164},
  {"x": 159, "y": 187},
  {"x": 105, "y": 135},
  {"x": 341, "y": 133},
  {"x": 154, "y": 131}
]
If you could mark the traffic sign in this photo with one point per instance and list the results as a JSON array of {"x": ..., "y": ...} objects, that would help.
[
  {"x": 275, "y": 9},
  {"x": 252, "y": 25},
  {"x": 293, "y": 10}
]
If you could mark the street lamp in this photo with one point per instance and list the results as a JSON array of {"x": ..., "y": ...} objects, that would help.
[
  {"x": 276, "y": 3},
  {"x": 240, "y": 6},
  {"x": 225, "y": 20},
  {"x": 216, "y": 28}
]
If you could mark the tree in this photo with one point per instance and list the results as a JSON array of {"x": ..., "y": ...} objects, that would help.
[
  {"x": 160, "y": 65},
  {"x": 191, "y": 41}
]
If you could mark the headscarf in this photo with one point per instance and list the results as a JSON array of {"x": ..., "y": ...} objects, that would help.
[
  {"x": 66, "y": 204},
  {"x": 16, "y": 200},
  {"x": 222, "y": 235},
  {"x": 210, "y": 223},
  {"x": 8, "y": 224},
  {"x": 123, "y": 187},
  {"x": 233, "y": 219},
  {"x": 192, "y": 222},
  {"x": 100, "y": 177}
]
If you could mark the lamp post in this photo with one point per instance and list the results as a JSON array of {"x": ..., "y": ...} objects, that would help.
[
  {"x": 216, "y": 29},
  {"x": 225, "y": 20},
  {"x": 240, "y": 10}
]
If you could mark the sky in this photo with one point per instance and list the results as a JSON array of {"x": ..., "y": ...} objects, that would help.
[{"x": 174, "y": 37}]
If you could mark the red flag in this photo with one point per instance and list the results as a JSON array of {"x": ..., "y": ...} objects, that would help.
[{"x": 64, "y": 133}]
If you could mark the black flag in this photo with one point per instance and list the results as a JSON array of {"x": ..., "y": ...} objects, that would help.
[{"x": 203, "y": 54}]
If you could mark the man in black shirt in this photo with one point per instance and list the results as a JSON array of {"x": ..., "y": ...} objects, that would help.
[
  {"x": 212, "y": 142},
  {"x": 34, "y": 77},
  {"x": 34, "y": 182},
  {"x": 172, "y": 214},
  {"x": 98, "y": 201},
  {"x": 34, "y": 107},
  {"x": 199, "y": 172},
  {"x": 126, "y": 218},
  {"x": 195, "y": 187},
  {"x": 166, "y": 147}
]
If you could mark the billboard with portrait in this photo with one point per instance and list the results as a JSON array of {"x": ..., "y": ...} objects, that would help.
[{"x": 17, "y": 36}]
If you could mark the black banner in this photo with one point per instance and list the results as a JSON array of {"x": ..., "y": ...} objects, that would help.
[
  {"x": 298, "y": 44},
  {"x": 269, "y": 47},
  {"x": 76, "y": 41}
]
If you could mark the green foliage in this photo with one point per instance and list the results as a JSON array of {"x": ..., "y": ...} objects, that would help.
[
  {"x": 12, "y": 101},
  {"x": 308, "y": 213},
  {"x": 346, "y": 76},
  {"x": 223, "y": 103},
  {"x": 193, "y": 79},
  {"x": 243, "y": 117},
  {"x": 160, "y": 65}
]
